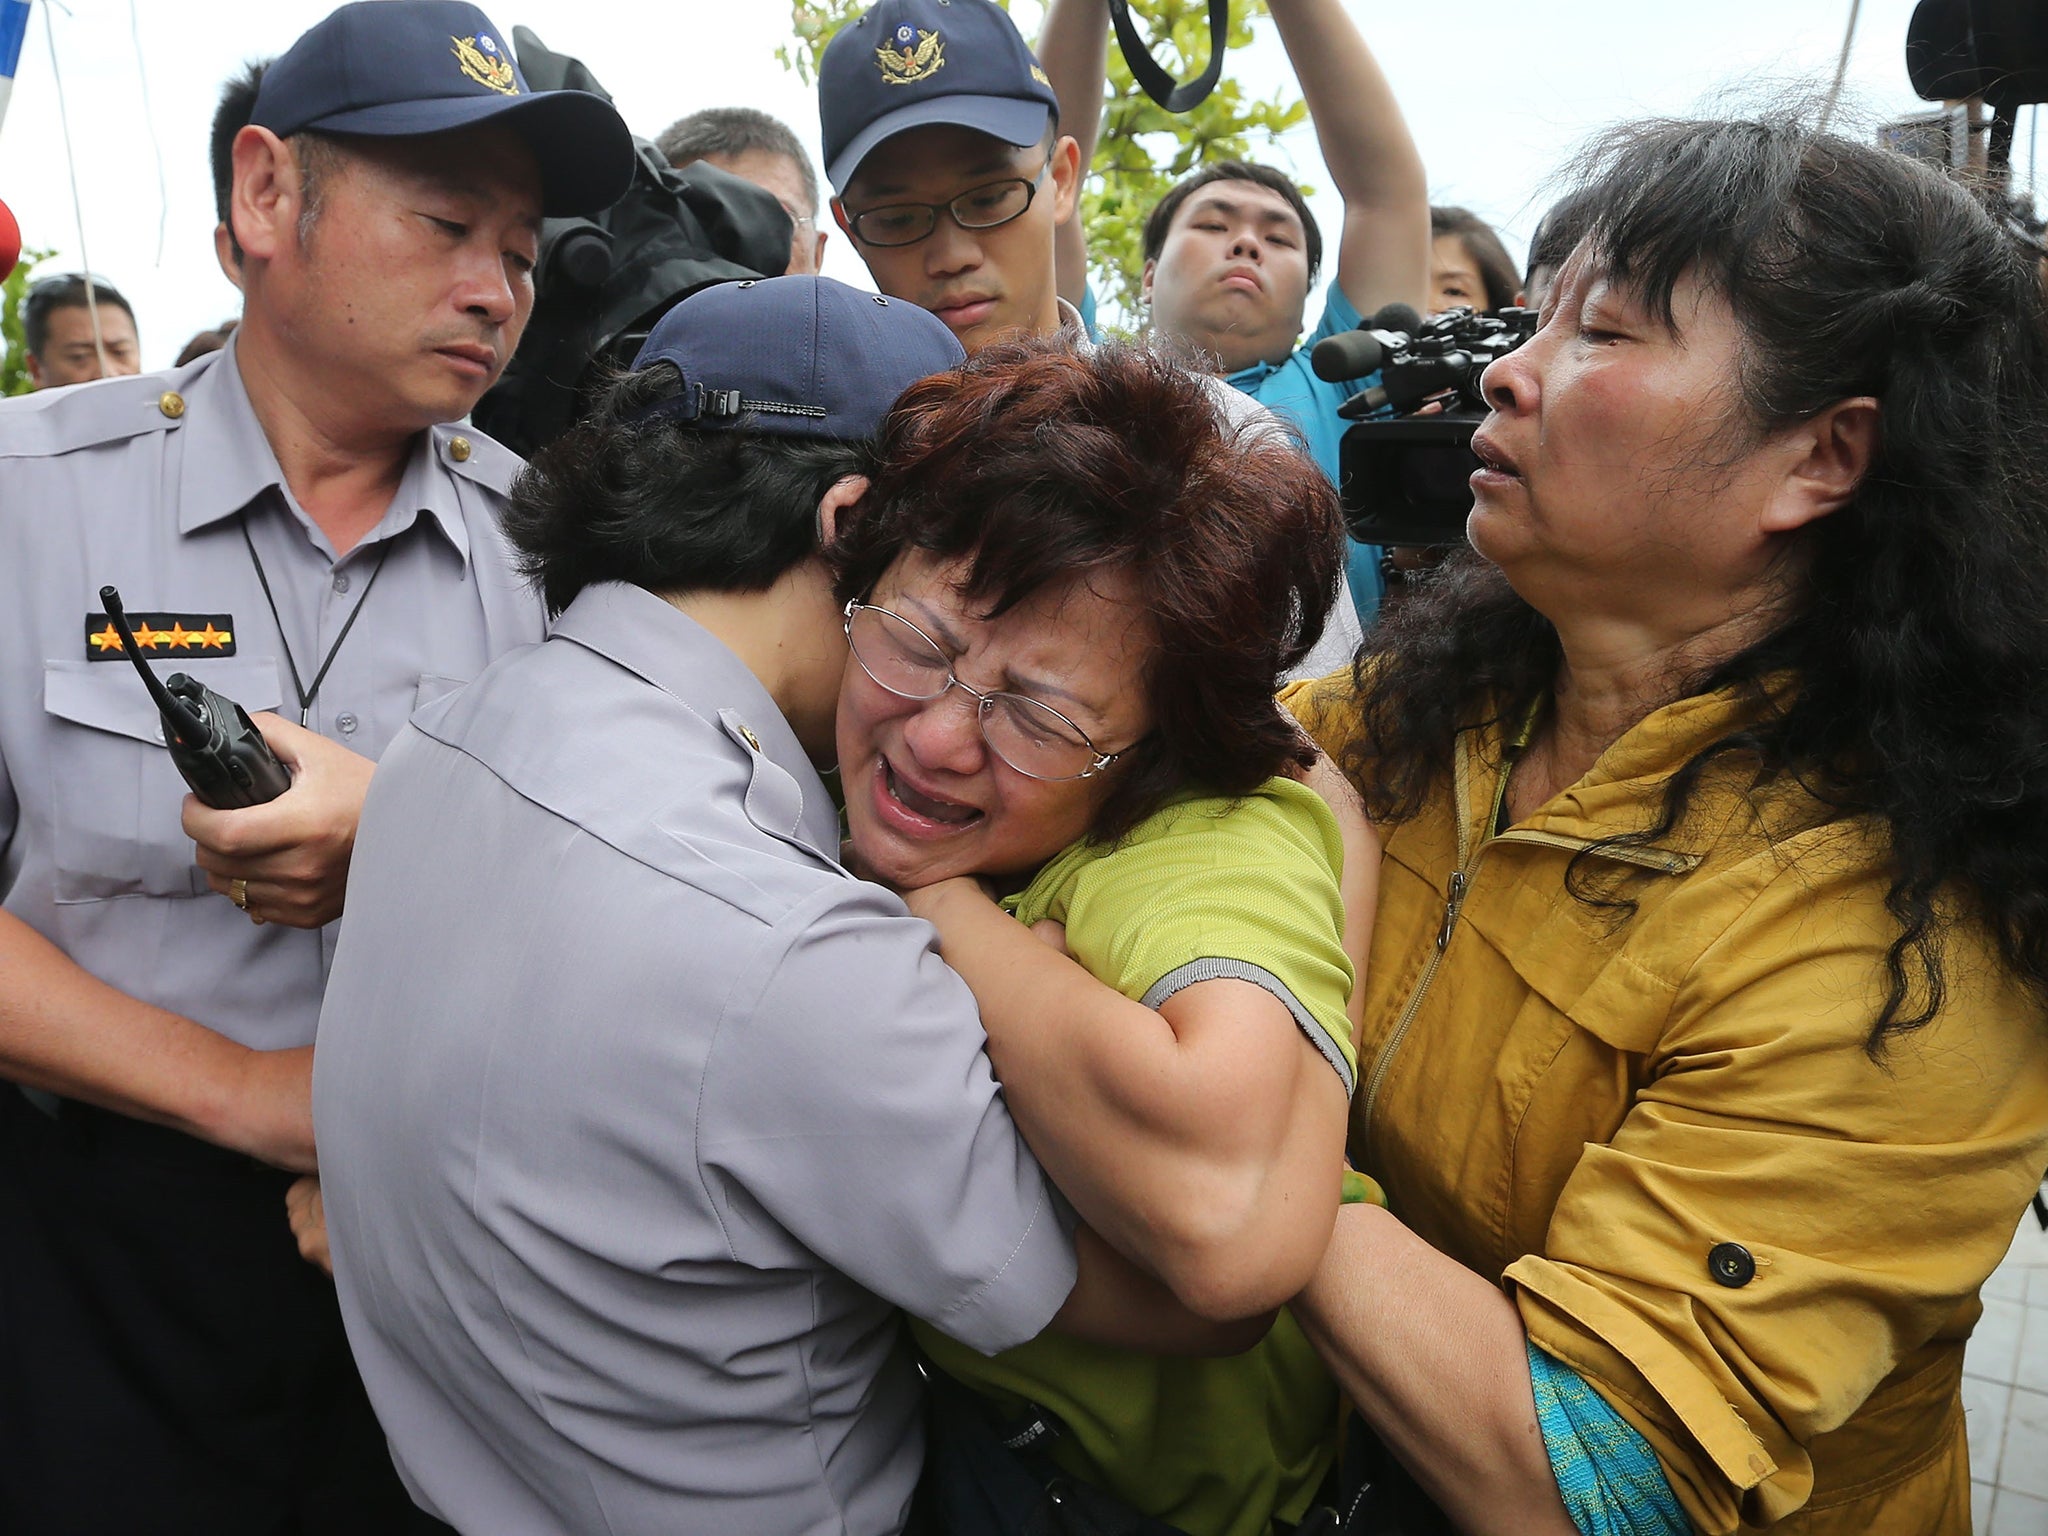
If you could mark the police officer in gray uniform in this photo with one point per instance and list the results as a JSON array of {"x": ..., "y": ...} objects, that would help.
[
  {"x": 638, "y": 1113},
  {"x": 289, "y": 522}
]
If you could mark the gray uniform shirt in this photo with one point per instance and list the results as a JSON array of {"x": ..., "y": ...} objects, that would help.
[
  {"x": 638, "y": 1115},
  {"x": 145, "y": 483}
]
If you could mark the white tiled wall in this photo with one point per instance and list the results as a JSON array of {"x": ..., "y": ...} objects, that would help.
[{"x": 2005, "y": 1393}]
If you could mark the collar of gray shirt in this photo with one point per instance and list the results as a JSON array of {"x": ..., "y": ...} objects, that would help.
[
  {"x": 228, "y": 463},
  {"x": 653, "y": 639}
]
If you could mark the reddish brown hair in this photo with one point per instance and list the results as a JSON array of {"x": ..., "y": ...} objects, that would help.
[{"x": 1035, "y": 463}]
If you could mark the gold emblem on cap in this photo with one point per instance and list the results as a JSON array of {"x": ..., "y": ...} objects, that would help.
[
  {"x": 908, "y": 61},
  {"x": 1040, "y": 76},
  {"x": 486, "y": 65},
  {"x": 171, "y": 403},
  {"x": 458, "y": 449}
]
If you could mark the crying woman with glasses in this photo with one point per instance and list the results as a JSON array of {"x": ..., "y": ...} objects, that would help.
[{"x": 1071, "y": 592}]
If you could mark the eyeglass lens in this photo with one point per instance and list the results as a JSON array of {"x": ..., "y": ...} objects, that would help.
[
  {"x": 1029, "y": 736},
  {"x": 979, "y": 208}
]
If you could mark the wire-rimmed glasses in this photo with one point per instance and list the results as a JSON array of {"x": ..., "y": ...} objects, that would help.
[{"x": 1033, "y": 738}]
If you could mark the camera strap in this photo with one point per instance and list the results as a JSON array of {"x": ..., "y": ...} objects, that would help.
[{"x": 1155, "y": 81}]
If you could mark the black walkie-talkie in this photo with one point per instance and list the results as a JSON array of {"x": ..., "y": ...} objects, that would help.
[{"x": 211, "y": 738}]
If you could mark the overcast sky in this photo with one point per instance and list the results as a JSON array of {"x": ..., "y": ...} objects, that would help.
[{"x": 1497, "y": 95}]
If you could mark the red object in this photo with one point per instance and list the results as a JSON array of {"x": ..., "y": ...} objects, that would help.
[{"x": 10, "y": 242}]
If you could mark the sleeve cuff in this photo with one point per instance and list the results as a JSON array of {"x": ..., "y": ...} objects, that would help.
[
  {"x": 1243, "y": 970},
  {"x": 1014, "y": 1305}
]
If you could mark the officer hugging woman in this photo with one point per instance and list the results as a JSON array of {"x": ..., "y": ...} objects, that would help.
[{"x": 622, "y": 1239}]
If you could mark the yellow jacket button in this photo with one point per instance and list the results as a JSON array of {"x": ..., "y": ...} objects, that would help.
[
  {"x": 171, "y": 403},
  {"x": 458, "y": 449},
  {"x": 1731, "y": 1264},
  {"x": 751, "y": 739}
]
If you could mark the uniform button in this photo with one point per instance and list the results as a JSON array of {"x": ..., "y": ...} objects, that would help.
[
  {"x": 458, "y": 449},
  {"x": 347, "y": 722},
  {"x": 1731, "y": 1265},
  {"x": 341, "y": 581},
  {"x": 750, "y": 738},
  {"x": 171, "y": 403}
]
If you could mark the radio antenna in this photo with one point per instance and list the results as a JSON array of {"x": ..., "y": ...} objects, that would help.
[{"x": 190, "y": 727}]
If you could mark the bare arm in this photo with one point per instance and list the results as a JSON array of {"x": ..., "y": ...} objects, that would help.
[
  {"x": 1204, "y": 1139},
  {"x": 67, "y": 1032},
  {"x": 1383, "y": 252},
  {"x": 1436, "y": 1362},
  {"x": 1074, "y": 52},
  {"x": 1435, "y": 1359},
  {"x": 1116, "y": 1303},
  {"x": 1361, "y": 882}
]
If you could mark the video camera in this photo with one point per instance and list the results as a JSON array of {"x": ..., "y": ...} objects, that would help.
[
  {"x": 1403, "y": 469},
  {"x": 601, "y": 282}
]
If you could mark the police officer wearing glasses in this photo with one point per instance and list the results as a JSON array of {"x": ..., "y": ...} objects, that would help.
[
  {"x": 954, "y": 183},
  {"x": 294, "y": 522}
]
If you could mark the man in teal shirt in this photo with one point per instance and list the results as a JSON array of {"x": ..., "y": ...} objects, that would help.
[{"x": 1232, "y": 252}]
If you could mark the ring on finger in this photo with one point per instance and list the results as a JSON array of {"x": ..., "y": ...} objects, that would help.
[{"x": 238, "y": 893}]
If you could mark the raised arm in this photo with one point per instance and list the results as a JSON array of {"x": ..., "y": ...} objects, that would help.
[
  {"x": 1074, "y": 52},
  {"x": 1383, "y": 252}
]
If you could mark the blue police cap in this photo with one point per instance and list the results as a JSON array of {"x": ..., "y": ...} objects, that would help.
[
  {"x": 907, "y": 63},
  {"x": 795, "y": 356},
  {"x": 402, "y": 68}
]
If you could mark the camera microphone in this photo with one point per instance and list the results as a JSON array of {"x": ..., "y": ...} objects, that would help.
[
  {"x": 1397, "y": 317},
  {"x": 1354, "y": 354},
  {"x": 1347, "y": 355}
]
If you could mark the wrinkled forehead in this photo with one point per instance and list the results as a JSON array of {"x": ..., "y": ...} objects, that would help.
[
  {"x": 943, "y": 588},
  {"x": 490, "y": 165},
  {"x": 936, "y": 163}
]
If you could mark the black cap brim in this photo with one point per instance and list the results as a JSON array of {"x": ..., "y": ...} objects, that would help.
[{"x": 583, "y": 146}]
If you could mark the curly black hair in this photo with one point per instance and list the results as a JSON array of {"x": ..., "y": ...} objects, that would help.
[{"x": 1917, "y": 637}]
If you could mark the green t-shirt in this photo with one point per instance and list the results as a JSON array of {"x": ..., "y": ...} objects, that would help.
[{"x": 1205, "y": 888}]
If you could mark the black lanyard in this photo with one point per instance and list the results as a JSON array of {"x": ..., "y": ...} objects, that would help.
[{"x": 308, "y": 695}]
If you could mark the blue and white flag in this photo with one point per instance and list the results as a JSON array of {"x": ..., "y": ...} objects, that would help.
[{"x": 13, "y": 28}]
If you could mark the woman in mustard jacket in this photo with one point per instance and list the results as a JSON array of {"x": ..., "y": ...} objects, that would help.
[{"x": 1704, "y": 1058}]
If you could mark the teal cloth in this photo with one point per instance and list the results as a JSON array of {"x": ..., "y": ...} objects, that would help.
[
  {"x": 1087, "y": 312},
  {"x": 1606, "y": 1472},
  {"x": 1292, "y": 392}
]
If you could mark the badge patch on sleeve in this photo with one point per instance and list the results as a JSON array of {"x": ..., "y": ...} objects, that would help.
[{"x": 161, "y": 634}]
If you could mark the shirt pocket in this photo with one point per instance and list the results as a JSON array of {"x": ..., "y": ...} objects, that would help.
[{"x": 116, "y": 798}]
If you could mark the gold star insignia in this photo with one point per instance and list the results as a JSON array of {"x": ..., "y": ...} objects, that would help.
[
  {"x": 147, "y": 637},
  {"x": 211, "y": 639},
  {"x": 179, "y": 636},
  {"x": 108, "y": 639}
]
